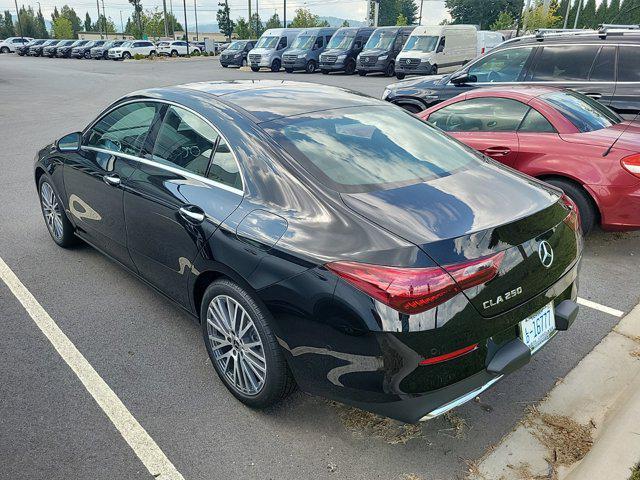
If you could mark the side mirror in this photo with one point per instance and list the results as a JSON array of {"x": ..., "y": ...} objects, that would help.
[
  {"x": 462, "y": 77},
  {"x": 69, "y": 143}
]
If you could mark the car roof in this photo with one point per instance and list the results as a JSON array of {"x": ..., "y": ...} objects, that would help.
[
  {"x": 523, "y": 93},
  {"x": 632, "y": 37},
  {"x": 267, "y": 100}
]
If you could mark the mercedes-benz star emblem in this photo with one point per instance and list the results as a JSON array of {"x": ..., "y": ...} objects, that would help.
[
  {"x": 545, "y": 252},
  {"x": 407, "y": 61}
]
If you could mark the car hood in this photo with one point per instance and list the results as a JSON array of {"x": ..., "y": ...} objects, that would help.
[
  {"x": 478, "y": 212},
  {"x": 373, "y": 52},
  {"x": 334, "y": 51},
  {"x": 295, "y": 51},
  {"x": 627, "y": 133}
]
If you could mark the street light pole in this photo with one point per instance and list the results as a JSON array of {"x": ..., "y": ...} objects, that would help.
[
  {"x": 285, "y": 14},
  {"x": 575, "y": 23},
  {"x": 104, "y": 21},
  {"x": 195, "y": 9},
  {"x": 186, "y": 28},
  {"x": 166, "y": 25},
  {"x": 421, "y": 5},
  {"x": 121, "y": 25},
  {"x": 98, "y": 22},
  {"x": 19, "y": 21}
]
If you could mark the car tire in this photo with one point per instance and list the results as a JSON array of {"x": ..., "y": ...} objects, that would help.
[
  {"x": 275, "y": 65},
  {"x": 255, "y": 69},
  {"x": 288, "y": 70},
  {"x": 263, "y": 377},
  {"x": 126, "y": 55},
  {"x": 400, "y": 76},
  {"x": 174, "y": 53},
  {"x": 55, "y": 218},
  {"x": 152, "y": 53},
  {"x": 410, "y": 107},
  {"x": 244, "y": 62},
  {"x": 390, "y": 70},
  {"x": 4, "y": 50},
  {"x": 350, "y": 68},
  {"x": 586, "y": 208},
  {"x": 325, "y": 72},
  {"x": 311, "y": 66},
  {"x": 362, "y": 73},
  {"x": 434, "y": 70}
]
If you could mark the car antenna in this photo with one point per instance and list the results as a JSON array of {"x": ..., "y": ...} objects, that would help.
[{"x": 608, "y": 150}]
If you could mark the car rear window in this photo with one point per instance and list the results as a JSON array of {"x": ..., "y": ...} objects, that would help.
[
  {"x": 359, "y": 149},
  {"x": 585, "y": 113}
]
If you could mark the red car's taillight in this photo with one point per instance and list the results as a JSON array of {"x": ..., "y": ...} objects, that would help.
[
  {"x": 573, "y": 219},
  {"x": 415, "y": 290},
  {"x": 632, "y": 164}
]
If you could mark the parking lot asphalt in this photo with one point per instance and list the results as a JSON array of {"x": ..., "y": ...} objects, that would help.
[{"x": 151, "y": 353}]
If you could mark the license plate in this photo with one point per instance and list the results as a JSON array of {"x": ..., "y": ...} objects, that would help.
[{"x": 538, "y": 328}]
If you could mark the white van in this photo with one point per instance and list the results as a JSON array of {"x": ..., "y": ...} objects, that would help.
[
  {"x": 433, "y": 49},
  {"x": 487, "y": 40},
  {"x": 268, "y": 51}
]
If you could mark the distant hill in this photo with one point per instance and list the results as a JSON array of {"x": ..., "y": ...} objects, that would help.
[{"x": 333, "y": 21}]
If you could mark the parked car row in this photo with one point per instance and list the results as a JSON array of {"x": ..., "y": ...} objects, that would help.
[
  {"x": 392, "y": 51},
  {"x": 98, "y": 49}
]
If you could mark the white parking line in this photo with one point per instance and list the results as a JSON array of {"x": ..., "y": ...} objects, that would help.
[
  {"x": 602, "y": 308},
  {"x": 135, "y": 435}
]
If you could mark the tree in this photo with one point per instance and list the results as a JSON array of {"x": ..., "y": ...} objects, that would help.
[
  {"x": 505, "y": 21},
  {"x": 242, "y": 29},
  {"x": 539, "y": 16},
  {"x": 87, "y": 22},
  {"x": 62, "y": 27},
  {"x": 7, "y": 29},
  {"x": 613, "y": 11},
  {"x": 255, "y": 25},
  {"x": 601, "y": 13},
  {"x": 402, "y": 21},
  {"x": 41, "y": 27},
  {"x": 409, "y": 9},
  {"x": 482, "y": 13},
  {"x": 387, "y": 12},
  {"x": 137, "y": 16},
  {"x": 304, "y": 19},
  {"x": 101, "y": 22},
  {"x": 26, "y": 26},
  {"x": 345, "y": 23},
  {"x": 225, "y": 24},
  {"x": 70, "y": 14},
  {"x": 588, "y": 15},
  {"x": 273, "y": 22}
]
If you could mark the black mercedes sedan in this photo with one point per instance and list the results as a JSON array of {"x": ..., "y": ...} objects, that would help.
[{"x": 323, "y": 239}]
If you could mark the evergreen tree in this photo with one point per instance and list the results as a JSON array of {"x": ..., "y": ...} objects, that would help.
[
  {"x": 409, "y": 9},
  {"x": 601, "y": 13},
  {"x": 103, "y": 22},
  {"x": 401, "y": 21},
  {"x": 387, "y": 12},
  {"x": 612, "y": 11},
  {"x": 7, "y": 29},
  {"x": 62, "y": 27},
  {"x": 345, "y": 24},
  {"x": 242, "y": 30},
  {"x": 137, "y": 16},
  {"x": 505, "y": 21},
  {"x": 562, "y": 11},
  {"x": 304, "y": 19},
  {"x": 41, "y": 27},
  {"x": 225, "y": 24},
  {"x": 588, "y": 15},
  {"x": 482, "y": 13},
  {"x": 273, "y": 22},
  {"x": 87, "y": 23},
  {"x": 256, "y": 26},
  {"x": 70, "y": 14},
  {"x": 26, "y": 26},
  {"x": 55, "y": 14}
]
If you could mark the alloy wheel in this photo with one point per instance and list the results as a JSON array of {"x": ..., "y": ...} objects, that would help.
[
  {"x": 236, "y": 345},
  {"x": 52, "y": 211}
]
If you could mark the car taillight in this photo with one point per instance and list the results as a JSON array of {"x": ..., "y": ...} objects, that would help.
[
  {"x": 632, "y": 164},
  {"x": 573, "y": 219},
  {"x": 449, "y": 356},
  {"x": 482, "y": 52},
  {"x": 415, "y": 290}
]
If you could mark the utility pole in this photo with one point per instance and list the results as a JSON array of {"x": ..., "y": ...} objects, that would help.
[
  {"x": 186, "y": 28},
  {"x": 285, "y": 14},
  {"x": 98, "y": 21},
  {"x": 420, "y": 19},
  {"x": 228, "y": 15},
  {"x": 257, "y": 20},
  {"x": 19, "y": 21},
  {"x": 566, "y": 15},
  {"x": 249, "y": 17},
  {"x": 166, "y": 24},
  {"x": 121, "y": 25},
  {"x": 104, "y": 21},
  {"x": 195, "y": 10},
  {"x": 575, "y": 23}
]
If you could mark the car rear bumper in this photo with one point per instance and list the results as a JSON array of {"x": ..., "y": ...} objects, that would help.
[{"x": 619, "y": 206}]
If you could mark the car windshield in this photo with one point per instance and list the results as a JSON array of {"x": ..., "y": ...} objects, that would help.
[
  {"x": 303, "y": 42},
  {"x": 359, "y": 149},
  {"x": 237, "y": 46},
  {"x": 89, "y": 44},
  {"x": 421, "y": 43},
  {"x": 81, "y": 43},
  {"x": 382, "y": 40},
  {"x": 163, "y": 44},
  {"x": 127, "y": 44},
  {"x": 267, "y": 42},
  {"x": 342, "y": 41},
  {"x": 67, "y": 43},
  {"x": 584, "y": 112}
]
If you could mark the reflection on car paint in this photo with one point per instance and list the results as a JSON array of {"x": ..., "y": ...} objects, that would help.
[{"x": 85, "y": 210}]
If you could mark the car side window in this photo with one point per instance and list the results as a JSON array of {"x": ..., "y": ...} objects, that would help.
[
  {"x": 502, "y": 66},
  {"x": 603, "y": 69},
  {"x": 124, "y": 129},
  {"x": 628, "y": 61},
  {"x": 480, "y": 115},
  {"x": 534, "y": 121},
  {"x": 184, "y": 141},
  {"x": 441, "y": 45},
  {"x": 224, "y": 168},
  {"x": 319, "y": 42},
  {"x": 566, "y": 63},
  {"x": 327, "y": 39},
  {"x": 282, "y": 43}
]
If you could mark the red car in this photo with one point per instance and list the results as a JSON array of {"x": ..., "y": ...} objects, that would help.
[{"x": 562, "y": 137}]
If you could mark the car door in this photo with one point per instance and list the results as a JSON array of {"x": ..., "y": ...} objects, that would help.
[
  {"x": 442, "y": 59},
  {"x": 96, "y": 176},
  {"x": 626, "y": 99},
  {"x": 488, "y": 125},
  {"x": 186, "y": 184},
  {"x": 588, "y": 69},
  {"x": 537, "y": 141}
]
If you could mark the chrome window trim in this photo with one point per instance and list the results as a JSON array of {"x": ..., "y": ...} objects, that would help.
[{"x": 166, "y": 167}]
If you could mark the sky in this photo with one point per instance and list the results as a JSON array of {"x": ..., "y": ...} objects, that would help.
[{"x": 434, "y": 11}]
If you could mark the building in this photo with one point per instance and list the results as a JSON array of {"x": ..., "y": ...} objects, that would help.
[
  {"x": 100, "y": 36},
  {"x": 202, "y": 36}
]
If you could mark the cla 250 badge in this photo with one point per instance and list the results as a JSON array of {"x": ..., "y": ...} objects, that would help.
[{"x": 501, "y": 298}]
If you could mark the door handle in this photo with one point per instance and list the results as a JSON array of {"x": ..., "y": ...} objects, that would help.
[
  {"x": 192, "y": 214},
  {"x": 113, "y": 180},
  {"x": 594, "y": 95},
  {"x": 497, "y": 151}
]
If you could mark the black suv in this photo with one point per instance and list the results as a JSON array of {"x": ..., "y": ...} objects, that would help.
[
  {"x": 236, "y": 53},
  {"x": 382, "y": 48},
  {"x": 604, "y": 65}
]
